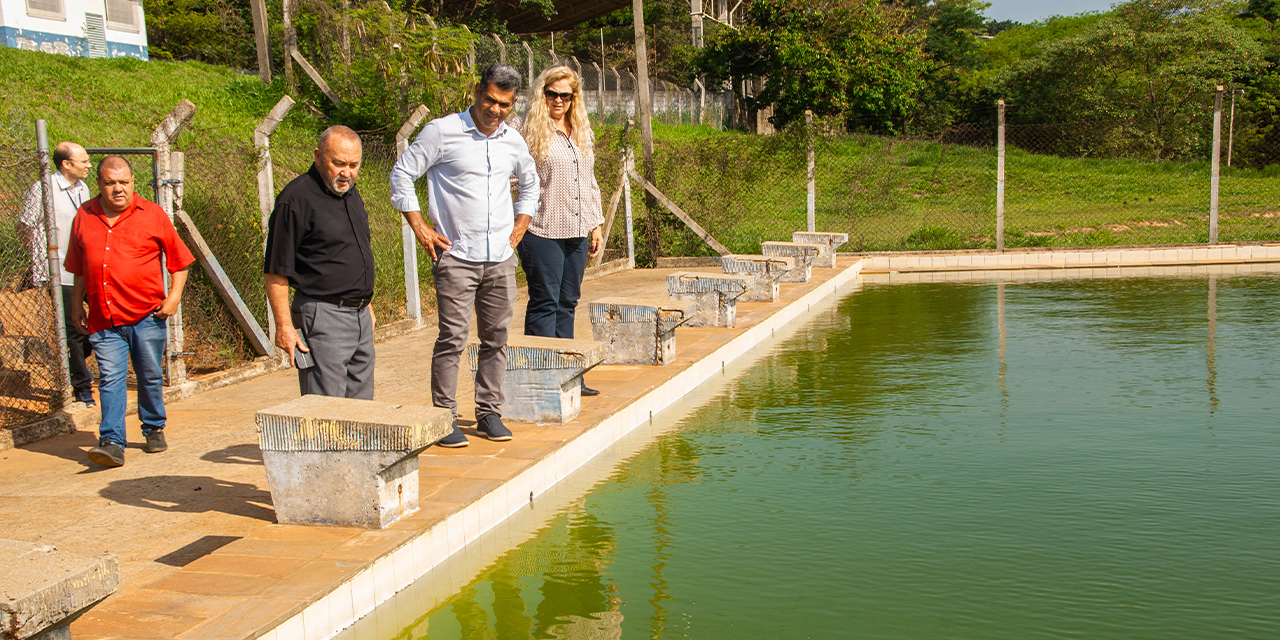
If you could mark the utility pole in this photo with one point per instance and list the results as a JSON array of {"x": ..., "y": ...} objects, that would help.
[{"x": 645, "y": 110}]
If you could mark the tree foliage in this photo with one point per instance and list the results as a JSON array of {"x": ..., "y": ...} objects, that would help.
[
  {"x": 384, "y": 62},
  {"x": 1152, "y": 63},
  {"x": 845, "y": 58}
]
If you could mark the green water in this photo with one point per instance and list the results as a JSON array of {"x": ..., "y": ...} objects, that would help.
[{"x": 1090, "y": 459}]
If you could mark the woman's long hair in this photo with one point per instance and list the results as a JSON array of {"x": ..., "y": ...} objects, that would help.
[{"x": 540, "y": 129}]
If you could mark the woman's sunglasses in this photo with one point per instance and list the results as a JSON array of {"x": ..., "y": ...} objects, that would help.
[{"x": 552, "y": 95}]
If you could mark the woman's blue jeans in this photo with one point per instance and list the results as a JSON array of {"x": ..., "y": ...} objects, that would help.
[
  {"x": 144, "y": 344},
  {"x": 553, "y": 269}
]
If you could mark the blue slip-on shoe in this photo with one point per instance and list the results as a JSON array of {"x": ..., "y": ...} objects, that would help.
[
  {"x": 455, "y": 440},
  {"x": 491, "y": 427},
  {"x": 86, "y": 396}
]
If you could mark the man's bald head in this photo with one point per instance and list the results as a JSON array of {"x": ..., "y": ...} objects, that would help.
[
  {"x": 115, "y": 184},
  {"x": 71, "y": 160},
  {"x": 338, "y": 157},
  {"x": 338, "y": 134},
  {"x": 114, "y": 164}
]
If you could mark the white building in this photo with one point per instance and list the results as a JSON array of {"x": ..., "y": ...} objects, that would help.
[{"x": 89, "y": 28}]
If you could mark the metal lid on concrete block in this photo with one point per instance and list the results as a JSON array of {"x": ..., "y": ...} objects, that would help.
[
  {"x": 773, "y": 248},
  {"x": 320, "y": 423},
  {"x": 41, "y": 586},
  {"x": 538, "y": 353},
  {"x": 693, "y": 282},
  {"x": 618, "y": 309},
  {"x": 747, "y": 263}
]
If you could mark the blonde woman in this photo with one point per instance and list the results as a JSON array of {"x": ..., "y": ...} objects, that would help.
[{"x": 566, "y": 229}]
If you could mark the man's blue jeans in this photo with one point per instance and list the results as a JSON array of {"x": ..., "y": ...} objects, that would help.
[{"x": 143, "y": 343}]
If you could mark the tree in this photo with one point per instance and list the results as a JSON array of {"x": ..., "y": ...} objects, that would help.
[
  {"x": 1150, "y": 64},
  {"x": 846, "y": 58}
]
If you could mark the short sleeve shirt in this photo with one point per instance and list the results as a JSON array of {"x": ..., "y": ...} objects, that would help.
[
  {"x": 320, "y": 240},
  {"x": 121, "y": 264}
]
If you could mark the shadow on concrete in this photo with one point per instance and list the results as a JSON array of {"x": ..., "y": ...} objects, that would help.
[
  {"x": 200, "y": 548},
  {"x": 192, "y": 494},
  {"x": 235, "y": 454},
  {"x": 70, "y": 446}
]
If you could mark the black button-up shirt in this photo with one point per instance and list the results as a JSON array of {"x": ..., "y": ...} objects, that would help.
[{"x": 320, "y": 241}]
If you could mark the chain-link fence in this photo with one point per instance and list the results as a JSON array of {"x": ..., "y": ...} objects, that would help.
[
  {"x": 1067, "y": 183},
  {"x": 31, "y": 377}
]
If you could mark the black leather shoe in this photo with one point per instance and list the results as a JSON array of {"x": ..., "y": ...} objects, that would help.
[
  {"x": 588, "y": 391},
  {"x": 491, "y": 427}
]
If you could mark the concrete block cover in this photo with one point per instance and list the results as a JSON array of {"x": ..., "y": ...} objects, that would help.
[
  {"x": 637, "y": 330},
  {"x": 544, "y": 376},
  {"x": 715, "y": 296},
  {"x": 344, "y": 462},
  {"x": 805, "y": 255},
  {"x": 831, "y": 241},
  {"x": 764, "y": 271},
  {"x": 42, "y": 589}
]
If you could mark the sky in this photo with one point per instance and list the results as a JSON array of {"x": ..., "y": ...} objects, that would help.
[{"x": 1032, "y": 10}]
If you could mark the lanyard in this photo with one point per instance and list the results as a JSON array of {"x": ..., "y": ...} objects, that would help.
[{"x": 75, "y": 203}]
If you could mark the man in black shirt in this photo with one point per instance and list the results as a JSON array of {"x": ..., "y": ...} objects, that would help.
[{"x": 318, "y": 243}]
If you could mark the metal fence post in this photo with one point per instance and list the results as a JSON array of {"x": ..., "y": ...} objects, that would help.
[
  {"x": 702, "y": 101},
  {"x": 502, "y": 49},
  {"x": 162, "y": 139},
  {"x": 599, "y": 92},
  {"x": 55, "y": 268},
  {"x": 617, "y": 94},
  {"x": 1215, "y": 166},
  {"x": 266, "y": 179},
  {"x": 999, "y": 175},
  {"x": 629, "y": 165},
  {"x": 813, "y": 192},
  {"x": 528, "y": 56},
  {"x": 409, "y": 242}
]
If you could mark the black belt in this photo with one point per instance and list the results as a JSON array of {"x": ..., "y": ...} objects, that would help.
[{"x": 354, "y": 303}]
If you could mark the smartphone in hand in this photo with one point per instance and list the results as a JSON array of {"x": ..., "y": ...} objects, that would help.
[{"x": 302, "y": 359}]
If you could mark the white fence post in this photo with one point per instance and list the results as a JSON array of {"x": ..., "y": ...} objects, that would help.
[
  {"x": 409, "y": 242},
  {"x": 999, "y": 175},
  {"x": 812, "y": 203},
  {"x": 266, "y": 179},
  {"x": 162, "y": 139},
  {"x": 1214, "y": 171}
]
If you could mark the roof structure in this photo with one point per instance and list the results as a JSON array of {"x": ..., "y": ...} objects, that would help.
[{"x": 569, "y": 14}]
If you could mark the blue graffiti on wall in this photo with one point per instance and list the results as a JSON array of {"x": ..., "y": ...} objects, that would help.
[{"x": 67, "y": 45}]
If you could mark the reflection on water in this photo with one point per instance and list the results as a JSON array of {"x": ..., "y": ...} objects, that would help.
[{"x": 1091, "y": 459}]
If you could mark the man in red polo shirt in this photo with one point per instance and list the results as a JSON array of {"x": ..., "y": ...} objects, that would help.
[{"x": 117, "y": 241}]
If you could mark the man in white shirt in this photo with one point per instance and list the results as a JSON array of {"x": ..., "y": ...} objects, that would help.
[
  {"x": 468, "y": 159},
  {"x": 69, "y": 192}
]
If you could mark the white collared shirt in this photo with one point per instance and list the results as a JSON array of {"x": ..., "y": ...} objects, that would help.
[
  {"x": 468, "y": 186},
  {"x": 67, "y": 198}
]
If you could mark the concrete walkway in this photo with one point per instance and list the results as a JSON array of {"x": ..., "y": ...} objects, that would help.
[{"x": 200, "y": 553}]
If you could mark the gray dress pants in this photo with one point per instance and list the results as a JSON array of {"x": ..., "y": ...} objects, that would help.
[
  {"x": 489, "y": 287},
  {"x": 341, "y": 342}
]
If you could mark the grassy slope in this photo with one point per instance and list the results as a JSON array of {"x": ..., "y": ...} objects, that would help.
[{"x": 118, "y": 102}]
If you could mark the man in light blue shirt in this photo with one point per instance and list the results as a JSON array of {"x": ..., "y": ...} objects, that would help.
[{"x": 468, "y": 159}]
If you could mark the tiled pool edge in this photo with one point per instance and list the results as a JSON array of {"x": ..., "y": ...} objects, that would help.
[
  {"x": 394, "y": 571},
  {"x": 1073, "y": 259}
]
